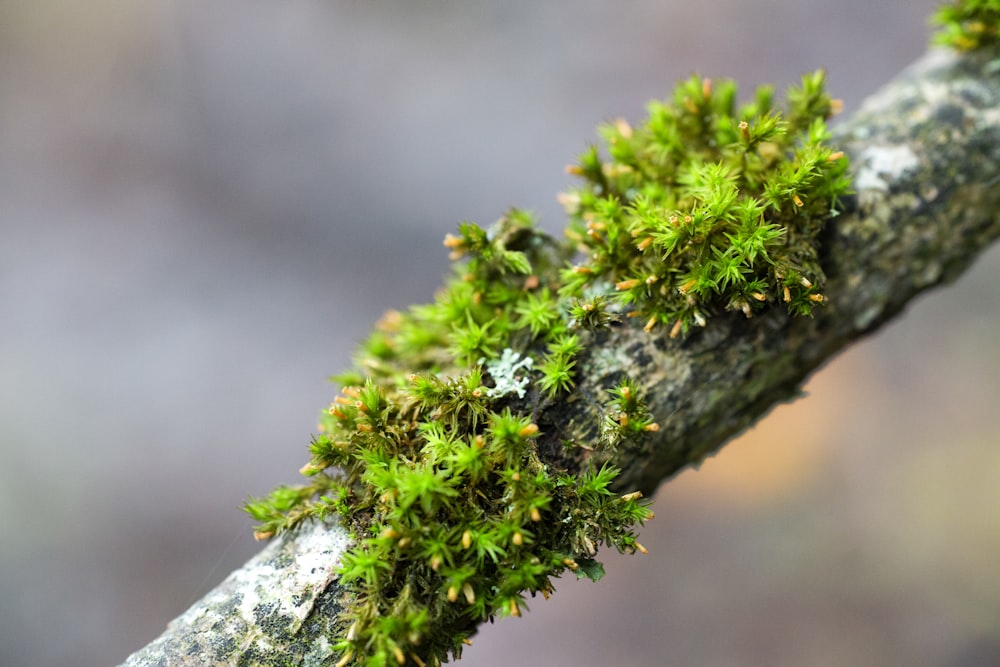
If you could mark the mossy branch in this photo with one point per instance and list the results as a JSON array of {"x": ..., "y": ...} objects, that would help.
[{"x": 925, "y": 155}]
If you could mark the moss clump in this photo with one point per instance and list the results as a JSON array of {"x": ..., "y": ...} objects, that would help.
[
  {"x": 430, "y": 454},
  {"x": 968, "y": 24},
  {"x": 704, "y": 207}
]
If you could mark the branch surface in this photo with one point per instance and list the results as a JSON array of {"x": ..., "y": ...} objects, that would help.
[{"x": 925, "y": 155}]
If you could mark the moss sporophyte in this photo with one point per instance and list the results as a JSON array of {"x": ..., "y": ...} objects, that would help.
[{"x": 432, "y": 454}]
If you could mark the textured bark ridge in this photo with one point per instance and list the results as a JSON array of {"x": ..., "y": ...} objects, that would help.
[
  {"x": 278, "y": 609},
  {"x": 926, "y": 163}
]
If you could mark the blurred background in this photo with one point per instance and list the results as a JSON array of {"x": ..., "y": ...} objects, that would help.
[{"x": 205, "y": 205}]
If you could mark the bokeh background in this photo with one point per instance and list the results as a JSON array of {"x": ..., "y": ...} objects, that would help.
[{"x": 205, "y": 205}]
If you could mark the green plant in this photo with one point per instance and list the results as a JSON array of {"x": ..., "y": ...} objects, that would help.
[
  {"x": 430, "y": 456},
  {"x": 704, "y": 208},
  {"x": 968, "y": 24}
]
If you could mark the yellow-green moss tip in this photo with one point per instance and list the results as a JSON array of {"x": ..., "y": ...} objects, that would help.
[
  {"x": 430, "y": 456},
  {"x": 968, "y": 24}
]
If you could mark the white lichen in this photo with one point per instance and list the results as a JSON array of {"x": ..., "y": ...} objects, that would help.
[
  {"x": 882, "y": 164},
  {"x": 504, "y": 373},
  {"x": 319, "y": 653}
]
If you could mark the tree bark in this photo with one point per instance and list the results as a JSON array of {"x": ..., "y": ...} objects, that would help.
[{"x": 925, "y": 156}]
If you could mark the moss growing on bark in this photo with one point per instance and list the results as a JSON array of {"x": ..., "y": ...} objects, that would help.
[
  {"x": 704, "y": 207},
  {"x": 430, "y": 454}
]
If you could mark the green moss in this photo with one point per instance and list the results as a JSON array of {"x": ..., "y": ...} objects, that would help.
[
  {"x": 703, "y": 208},
  {"x": 429, "y": 453},
  {"x": 968, "y": 24}
]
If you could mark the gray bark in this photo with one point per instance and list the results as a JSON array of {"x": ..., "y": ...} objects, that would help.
[{"x": 925, "y": 155}]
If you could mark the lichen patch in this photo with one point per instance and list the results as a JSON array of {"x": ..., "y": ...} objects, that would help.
[{"x": 878, "y": 165}]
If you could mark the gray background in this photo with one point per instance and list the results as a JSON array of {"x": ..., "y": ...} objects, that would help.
[{"x": 204, "y": 205}]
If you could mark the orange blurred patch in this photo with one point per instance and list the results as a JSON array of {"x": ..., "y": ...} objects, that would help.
[{"x": 774, "y": 460}]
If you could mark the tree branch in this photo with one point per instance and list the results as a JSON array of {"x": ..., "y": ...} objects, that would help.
[{"x": 925, "y": 155}]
